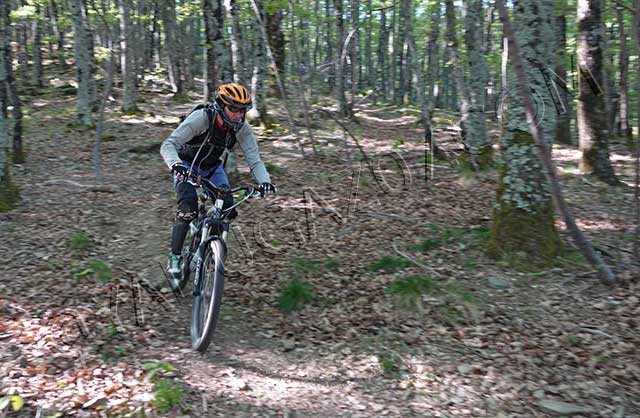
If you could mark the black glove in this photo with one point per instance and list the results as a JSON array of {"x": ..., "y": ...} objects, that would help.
[
  {"x": 267, "y": 188},
  {"x": 180, "y": 170}
]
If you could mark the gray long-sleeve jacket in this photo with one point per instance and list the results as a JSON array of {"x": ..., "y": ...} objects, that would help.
[{"x": 196, "y": 124}]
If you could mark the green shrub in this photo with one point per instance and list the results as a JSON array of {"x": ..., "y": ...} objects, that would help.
[
  {"x": 97, "y": 269},
  {"x": 389, "y": 264},
  {"x": 310, "y": 266},
  {"x": 295, "y": 295},
  {"x": 168, "y": 394},
  {"x": 408, "y": 291},
  {"x": 427, "y": 244},
  {"x": 79, "y": 242},
  {"x": 389, "y": 362}
]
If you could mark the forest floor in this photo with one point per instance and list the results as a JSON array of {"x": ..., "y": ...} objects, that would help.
[{"x": 83, "y": 333}]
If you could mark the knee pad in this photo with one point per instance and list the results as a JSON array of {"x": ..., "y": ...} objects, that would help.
[
  {"x": 228, "y": 202},
  {"x": 187, "y": 202}
]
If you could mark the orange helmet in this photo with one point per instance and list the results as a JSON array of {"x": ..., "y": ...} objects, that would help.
[{"x": 233, "y": 94}]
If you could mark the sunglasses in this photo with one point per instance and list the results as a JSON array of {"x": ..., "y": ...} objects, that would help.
[{"x": 234, "y": 109}]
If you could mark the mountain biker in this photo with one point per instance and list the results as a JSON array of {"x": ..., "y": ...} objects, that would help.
[{"x": 198, "y": 144}]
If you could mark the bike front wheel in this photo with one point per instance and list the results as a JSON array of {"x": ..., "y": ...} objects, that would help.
[{"x": 206, "y": 305}]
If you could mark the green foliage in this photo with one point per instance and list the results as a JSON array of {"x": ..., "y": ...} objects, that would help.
[
  {"x": 78, "y": 242},
  {"x": 389, "y": 362},
  {"x": 168, "y": 394},
  {"x": 426, "y": 244},
  {"x": 389, "y": 264},
  {"x": 97, "y": 269},
  {"x": 273, "y": 169},
  {"x": 397, "y": 143},
  {"x": 408, "y": 291},
  {"x": 295, "y": 295},
  {"x": 154, "y": 367},
  {"x": 304, "y": 265}
]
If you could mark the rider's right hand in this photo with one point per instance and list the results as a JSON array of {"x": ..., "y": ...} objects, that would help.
[{"x": 180, "y": 170}]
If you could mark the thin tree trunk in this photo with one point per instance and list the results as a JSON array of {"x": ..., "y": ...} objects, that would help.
[
  {"x": 623, "y": 103},
  {"x": 635, "y": 37},
  {"x": 59, "y": 28},
  {"x": 403, "y": 28},
  {"x": 563, "y": 121},
  {"x": 476, "y": 139},
  {"x": 368, "y": 52},
  {"x": 354, "y": 48},
  {"x": 301, "y": 87},
  {"x": 592, "y": 119},
  {"x": 8, "y": 192},
  {"x": 83, "y": 65},
  {"x": 37, "y": 47},
  {"x": 383, "y": 44},
  {"x": 457, "y": 73},
  {"x": 606, "y": 275},
  {"x": 343, "y": 107},
  {"x": 431, "y": 77},
  {"x": 12, "y": 90},
  {"x": 129, "y": 96},
  {"x": 171, "y": 44},
  {"x": 237, "y": 52},
  {"x": 330, "y": 60},
  {"x": 263, "y": 32},
  {"x": 213, "y": 13}
]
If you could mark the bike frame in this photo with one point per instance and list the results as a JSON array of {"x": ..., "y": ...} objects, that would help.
[{"x": 212, "y": 217}]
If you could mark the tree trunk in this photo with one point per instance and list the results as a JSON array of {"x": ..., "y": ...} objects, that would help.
[
  {"x": 292, "y": 126},
  {"x": 59, "y": 28},
  {"x": 393, "y": 50},
  {"x": 592, "y": 119},
  {"x": 259, "y": 110},
  {"x": 430, "y": 82},
  {"x": 354, "y": 48},
  {"x": 368, "y": 53},
  {"x": 83, "y": 66},
  {"x": 623, "y": 103},
  {"x": 456, "y": 72},
  {"x": 129, "y": 95},
  {"x": 476, "y": 140},
  {"x": 171, "y": 44},
  {"x": 330, "y": 43},
  {"x": 344, "y": 110},
  {"x": 8, "y": 192},
  {"x": 523, "y": 222},
  {"x": 276, "y": 38},
  {"x": 606, "y": 275},
  {"x": 383, "y": 45},
  {"x": 37, "y": 47},
  {"x": 214, "y": 45},
  {"x": 404, "y": 33},
  {"x": 238, "y": 54},
  {"x": 563, "y": 121}
]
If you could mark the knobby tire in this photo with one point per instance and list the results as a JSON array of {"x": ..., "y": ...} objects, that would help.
[{"x": 206, "y": 306}]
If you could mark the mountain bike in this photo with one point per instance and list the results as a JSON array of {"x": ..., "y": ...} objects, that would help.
[{"x": 204, "y": 253}]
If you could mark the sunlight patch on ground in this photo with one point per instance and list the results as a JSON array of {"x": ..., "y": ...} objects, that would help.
[
  {"x": 566, "y": 154},
  {"x": 599, "y": 225}
]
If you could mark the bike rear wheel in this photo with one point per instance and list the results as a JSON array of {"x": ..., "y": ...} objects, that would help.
[{"x": 206, "y": 306}]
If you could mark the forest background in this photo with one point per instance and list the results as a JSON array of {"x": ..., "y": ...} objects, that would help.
[{"x": 456, "y": 231}]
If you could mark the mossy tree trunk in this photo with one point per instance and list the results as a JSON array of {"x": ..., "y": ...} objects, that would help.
[
  {"x": 523, "y": 221},
  {"x": 592, "y": 118}
]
